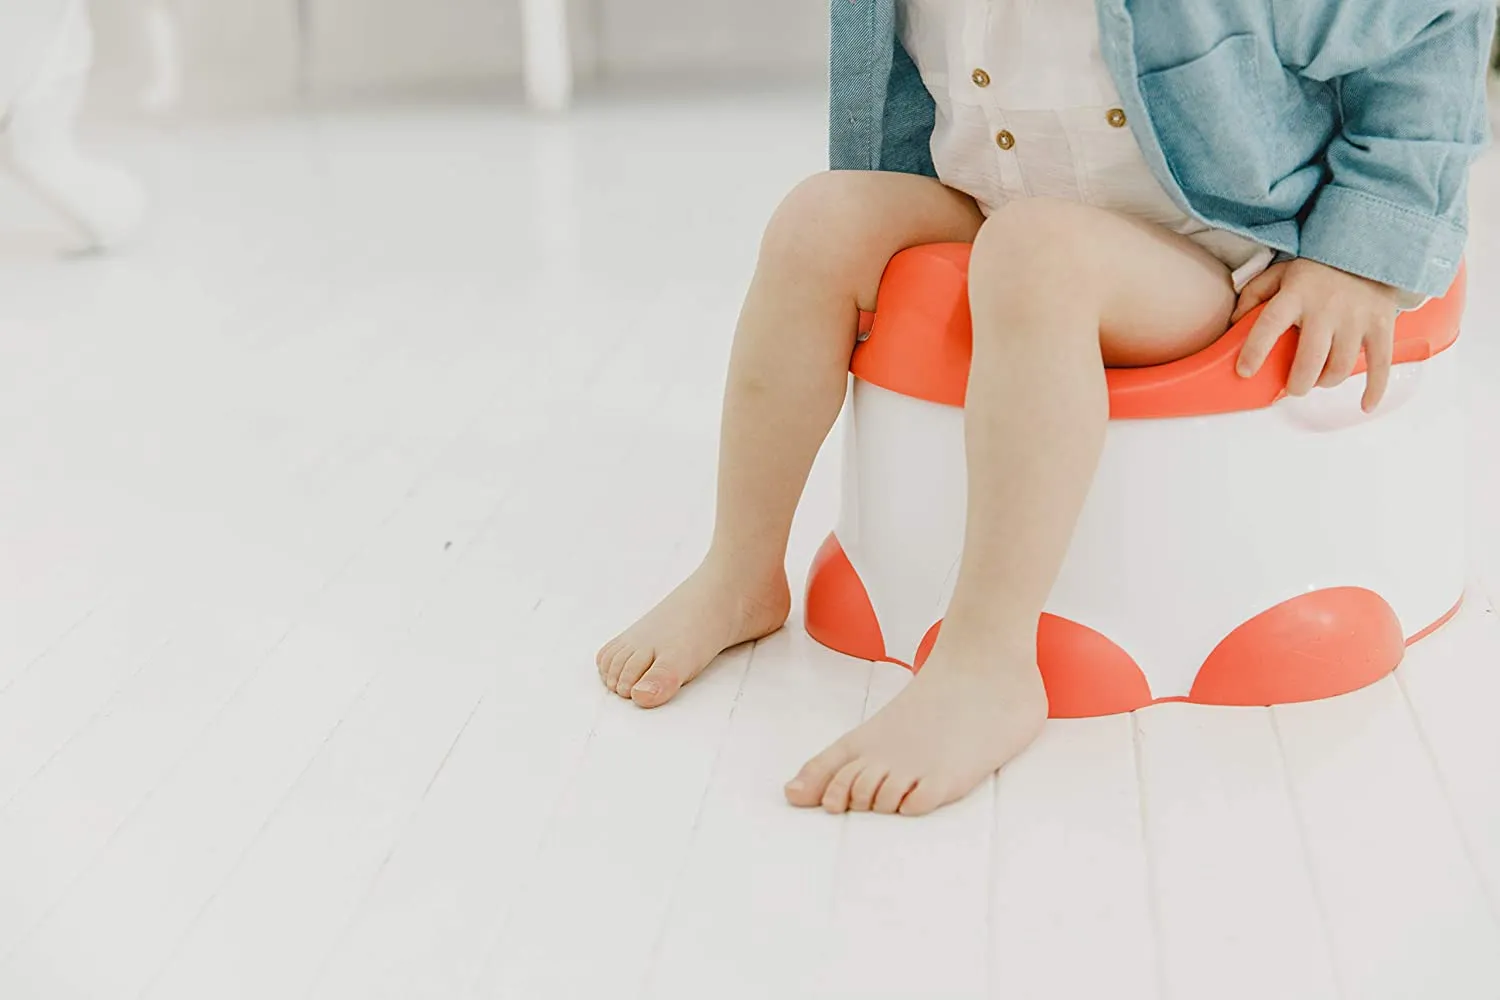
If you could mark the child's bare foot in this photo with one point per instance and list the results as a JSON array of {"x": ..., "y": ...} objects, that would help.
[
  {"x": 965, "y": 715},
  {"x": 715, "y": 608}
]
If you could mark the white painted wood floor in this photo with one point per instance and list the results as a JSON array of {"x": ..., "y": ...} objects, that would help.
[{"x": 318, "y": 501}]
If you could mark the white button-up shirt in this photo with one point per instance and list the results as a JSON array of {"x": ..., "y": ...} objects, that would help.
[{"x": 1026, "y": 107}]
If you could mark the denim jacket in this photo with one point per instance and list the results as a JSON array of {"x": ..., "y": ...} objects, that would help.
[{"x": 1337, "y": 130}]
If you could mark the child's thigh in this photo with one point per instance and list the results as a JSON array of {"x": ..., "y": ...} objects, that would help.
[
  {"x": 1159, "y": 295},
  {"x": 1169, "y": 297},
  {"x": 844, "y": 226}
]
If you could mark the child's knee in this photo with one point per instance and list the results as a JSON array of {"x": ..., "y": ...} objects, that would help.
[
  {"x": 1034, "y": 248},
  {"x": 821, "y": 225},
  {"x": 1032, "y": 235}
]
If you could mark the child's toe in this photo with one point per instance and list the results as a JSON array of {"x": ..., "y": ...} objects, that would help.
[
  {"x": 807, "y": 788},
  {"x": 836, "y": 795},
  {"x": 635, "y": 668},
  {"x": 631, "y": 668},
  {"x": 616, "y": 663},
  {"x": 658, "y": 685},
  {"x": 893, "y": 790},
  {"x": 923, "y": 799},
  {"x": 862, "y": 794},
  {"x": 606, "y": 655}
]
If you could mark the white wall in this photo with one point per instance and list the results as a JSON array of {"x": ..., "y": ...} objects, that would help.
[
  {"x": 264, "y": 52},
  {"x": 234, "y": 52},
  {"x": 386, "y": 45},
  {"x": 719, "y": 37}
]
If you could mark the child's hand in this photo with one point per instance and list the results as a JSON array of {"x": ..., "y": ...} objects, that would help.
[{"x": 1339, "y": 314}]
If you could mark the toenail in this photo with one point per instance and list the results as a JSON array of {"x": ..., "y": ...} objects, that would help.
[
  {"x": 795, "y": 786},
  {"x": 648, "y": 687}
]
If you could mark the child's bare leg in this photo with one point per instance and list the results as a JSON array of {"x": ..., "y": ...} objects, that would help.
[
  {"x": 1058, "y": 290},
  {"x": 820, "y": 262}
]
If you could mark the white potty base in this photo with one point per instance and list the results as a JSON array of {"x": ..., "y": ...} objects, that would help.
[{"x": 1261, "y": 556}]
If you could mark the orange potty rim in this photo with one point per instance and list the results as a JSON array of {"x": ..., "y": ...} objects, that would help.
[{"x": 919, "y": 340}]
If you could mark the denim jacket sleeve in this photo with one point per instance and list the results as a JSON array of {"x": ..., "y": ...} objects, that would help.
[{"x": 1394, "y": 207}]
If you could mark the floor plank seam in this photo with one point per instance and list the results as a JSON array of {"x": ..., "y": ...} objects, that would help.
[
  {"x": 1455, "y": 816},
  {"x": 87, "y": 867},
  {"x": 992, "y": 874},
  {"x": 228, "y": 875},
  {"x": 103, "y": 710},
  {"x": 400, "y": 640},
  {"x": 51, "y": 646},
  {"x": 396, "y": 842},
  {"x": 659, "y": 941},
  {"x": 1152, "y": 887},
  {"x": 1325, "y": 922},
  {"x": 844, "y": 817},
  {"x": 471, "y": 988},
  {"x": 836, "y": 869}
]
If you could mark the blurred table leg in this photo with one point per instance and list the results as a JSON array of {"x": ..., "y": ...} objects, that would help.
[
  {"x": 549, "y": 60},
  {"x": 163, "y": 92}
]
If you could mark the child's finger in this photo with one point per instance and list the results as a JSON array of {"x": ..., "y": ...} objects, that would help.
[
  {"x": 1281, "y": 314},
  {"x": 1378, "y": 361},
  {"x": 1312, "y": 356},
  {"x": 1260, "y": 290},
  {"x": 1341, "y": 360}
]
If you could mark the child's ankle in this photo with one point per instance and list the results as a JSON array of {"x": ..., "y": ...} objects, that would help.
[
  {"x": 737, "y": 564},
  {"x": 988, "y": 640}
]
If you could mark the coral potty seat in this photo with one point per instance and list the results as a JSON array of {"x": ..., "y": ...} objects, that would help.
[{"x": 1237, "y": 547}]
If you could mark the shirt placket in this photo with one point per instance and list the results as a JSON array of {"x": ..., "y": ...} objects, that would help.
[{"x": 1008, "y": 180}]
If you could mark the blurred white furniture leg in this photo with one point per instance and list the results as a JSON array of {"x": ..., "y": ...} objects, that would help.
[
  {"x": 548, "y": 56},
  {"x": 104, "y": 203},
  {"x": 164, "y": 90}
]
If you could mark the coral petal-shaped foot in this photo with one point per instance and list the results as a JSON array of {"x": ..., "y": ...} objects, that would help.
[
  {"x": 839, "y": 613},
  {"x": 1085, "y": 673},
  {"x": 1317, "y": 645}
]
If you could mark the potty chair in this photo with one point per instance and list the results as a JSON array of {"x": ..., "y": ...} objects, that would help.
[{"x": 1237, "y": 547}]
